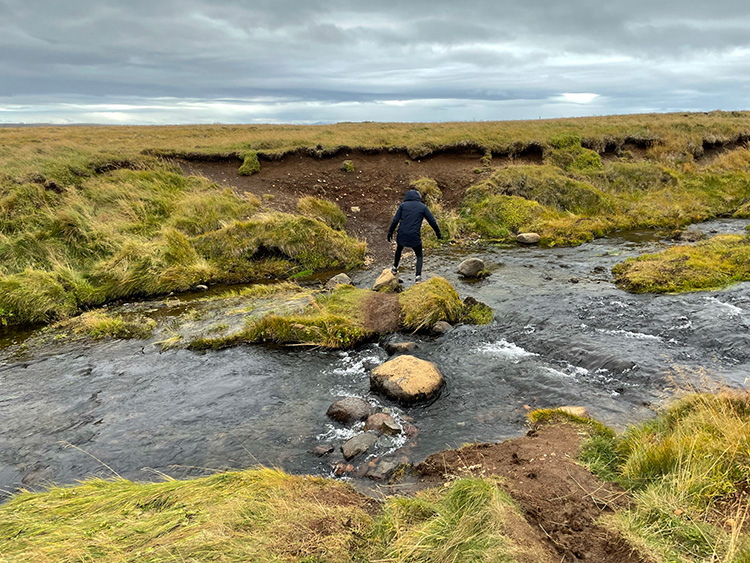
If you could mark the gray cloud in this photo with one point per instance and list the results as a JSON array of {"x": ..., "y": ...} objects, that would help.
[{"x": 293, "y": 60}]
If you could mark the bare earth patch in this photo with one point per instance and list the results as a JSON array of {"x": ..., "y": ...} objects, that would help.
[{"x": 561, "y": 499}]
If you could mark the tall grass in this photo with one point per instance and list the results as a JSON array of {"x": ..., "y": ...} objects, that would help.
[
  {"x": 257, "y": 515},
  {"x": 76, "y": 238},
  {"x": 688, "y": 470}
]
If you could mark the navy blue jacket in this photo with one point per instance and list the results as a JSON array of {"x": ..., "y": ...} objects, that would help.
[{"x": 410, "y": 214}]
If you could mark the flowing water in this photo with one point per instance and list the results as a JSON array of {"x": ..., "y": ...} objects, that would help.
[{"x": 563, "y": 335}]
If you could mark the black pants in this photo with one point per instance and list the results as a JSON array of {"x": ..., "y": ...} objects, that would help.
[{"x": 417, "y": 251}]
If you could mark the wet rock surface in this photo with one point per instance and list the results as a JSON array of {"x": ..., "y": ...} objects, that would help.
[
  {"x": 407, "y": 379},
  {"x": 358, "y": 445},
  {"x": 471, "y": 267},
  {"x": 349, "y": 409}
]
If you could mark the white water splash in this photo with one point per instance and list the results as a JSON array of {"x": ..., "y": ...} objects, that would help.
[
  {"x": 728, "y": 307},
  {"x": 628, "y": 334},
  {"x": 505, "y": 349}
]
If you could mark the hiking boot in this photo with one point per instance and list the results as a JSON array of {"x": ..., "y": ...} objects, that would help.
[
  {"x": 394, "y": 270},
  {"x": 417, "y": 279}
]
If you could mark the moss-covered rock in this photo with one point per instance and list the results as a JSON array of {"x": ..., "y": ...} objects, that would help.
[
  {"x": 426, "y": 303},
  {"x": 710, "y": 264}
]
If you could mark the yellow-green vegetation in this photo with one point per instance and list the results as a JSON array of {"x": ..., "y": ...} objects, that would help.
[
  {"x": 565, "y": 151},
  {"x": 100, "y": 324},
  {"x": 709, "y": 264},
  {"x": 569, "y": 203},
  {"x": 259, "y": 515},
  {"x": 347, "y": 166},
  {"x": 80, "y": 229},
  {"x": 688, "y": 472},
  {"x": 465, "y": 523},
  {"x": 424, "y": 304},
  {"x": 676, "y": 137},
  {"x": 428, "y": 189},
  {"x": 324, "y": 210},
  {"x": 250, "y": 164},
  {"x": 344, "y": 317}
]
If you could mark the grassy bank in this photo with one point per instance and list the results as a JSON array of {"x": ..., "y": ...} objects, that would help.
[
  {"x": 84, "y": 231},
  {"x": 665, "y": 135},
  {"x": 685, "y": 474},
  {"x": 569, "y": 199},
  {"x": 711, "y": 264},
  {"x": 688, "y": 473},
  {"x": 90, "y": 214}
]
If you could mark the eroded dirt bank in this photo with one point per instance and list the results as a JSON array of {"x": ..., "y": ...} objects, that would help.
[
  {"x": 562, "y": 501},
  {"x": 368, "y": 196}
]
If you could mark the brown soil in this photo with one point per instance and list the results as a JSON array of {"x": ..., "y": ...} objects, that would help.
[
  {"x": 369, "y": 196},
  {"x": 382, "y": 313},
  {"x": 559, "y": 498}
]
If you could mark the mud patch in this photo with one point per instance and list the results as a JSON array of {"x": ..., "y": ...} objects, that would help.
[{"x": 559, "y": 498}]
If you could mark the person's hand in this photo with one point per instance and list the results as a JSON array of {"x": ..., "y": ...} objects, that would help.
[
  {"x": 390, "y": 237},
  {"x": 439, "y": 235}
]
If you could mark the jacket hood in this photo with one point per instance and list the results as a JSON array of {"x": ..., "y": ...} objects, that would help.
[{"x": 412, "y": 195}]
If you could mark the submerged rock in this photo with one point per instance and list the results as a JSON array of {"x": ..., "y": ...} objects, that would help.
[
  {"x": 337, "y": 280},
  {"x": 358, "y": 445},
  {"x": 386, "y": 281},
  {"x": 323, "y": 449},
  {"x": 383, "y": 423},
  {"x": 407, "y": 379},
  {"x": 471, "y": 267},
  {"x": 399, "y": 347},
  {"x": 349, "y": 409},
  {"x": 528, "y": 238},
  {"x": 442, "y": 327}
]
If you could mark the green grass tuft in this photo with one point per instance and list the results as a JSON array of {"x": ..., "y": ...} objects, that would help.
[
  {"x": 324, "y": 210},
  {"x": 250, "y": 165}
]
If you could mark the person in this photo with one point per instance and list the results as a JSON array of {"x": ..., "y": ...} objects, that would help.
[{"x": 408, "y": 219}]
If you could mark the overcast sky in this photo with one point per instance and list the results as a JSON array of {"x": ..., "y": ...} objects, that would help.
[{"x": 310, "y": 61}]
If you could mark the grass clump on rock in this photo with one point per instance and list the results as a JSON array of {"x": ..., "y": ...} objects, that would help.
[
  {"x": 687, "y": 471},
  {"x": 347, "y": 166},
  {"x": 426, "y": 303},
  {"x": 710, "y": 264},
  {"x": 324, "y": 210},
  {"x": 250, "y": 164}
]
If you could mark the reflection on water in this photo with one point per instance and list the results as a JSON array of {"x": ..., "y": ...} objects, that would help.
[{"x": 563, "y": 334}]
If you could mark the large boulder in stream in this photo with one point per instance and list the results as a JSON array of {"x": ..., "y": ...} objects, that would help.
[
  {"x": 407, "y": 379},
  {"x": 337, "y": 280},
  {"x": 471, "y": 267},
  {"x": 349, "y": 409},
  {"x": 528, "y": 238}
]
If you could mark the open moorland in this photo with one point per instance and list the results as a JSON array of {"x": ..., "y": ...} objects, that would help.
[{"x": 92, "y": 217}]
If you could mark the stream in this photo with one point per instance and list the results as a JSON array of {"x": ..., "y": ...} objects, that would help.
[{"x": 563, "y": 334}]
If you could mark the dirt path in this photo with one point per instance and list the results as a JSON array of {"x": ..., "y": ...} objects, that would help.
[
  {"x": 369, "y": 196},
  {"x": 559, "y": 498}
]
